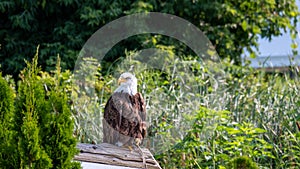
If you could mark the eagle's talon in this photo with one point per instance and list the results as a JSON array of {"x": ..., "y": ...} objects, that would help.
[{"x": 130, "y": 148}]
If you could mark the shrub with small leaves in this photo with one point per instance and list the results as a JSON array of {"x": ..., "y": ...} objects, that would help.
[
  {"x": 7, "y": 146},
  {"x": 214, "y": 140},
  {"x": 43, "y": 121},
  {"x": 243, "y": 162}
]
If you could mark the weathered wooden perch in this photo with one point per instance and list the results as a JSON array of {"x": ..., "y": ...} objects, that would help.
[{"x": 111, "y": 155}]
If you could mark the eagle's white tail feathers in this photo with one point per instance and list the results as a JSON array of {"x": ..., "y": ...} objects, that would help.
[{"x": 119, "y": 144}]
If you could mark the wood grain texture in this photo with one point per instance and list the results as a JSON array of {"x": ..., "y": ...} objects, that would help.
[{"x": 109, "y": 154}]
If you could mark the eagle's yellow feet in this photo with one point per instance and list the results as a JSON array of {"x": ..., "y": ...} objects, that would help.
[
  {"x": 130, "y": 148},
  {"x": 138, "y": 141}
]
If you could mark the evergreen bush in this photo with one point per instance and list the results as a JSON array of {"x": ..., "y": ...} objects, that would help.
[
  {"x": 40, "y": 134},
  {"x": 7, "y": 147}
]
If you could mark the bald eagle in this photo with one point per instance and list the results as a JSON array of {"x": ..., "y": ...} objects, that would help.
[{"x": 124, "y": 122}]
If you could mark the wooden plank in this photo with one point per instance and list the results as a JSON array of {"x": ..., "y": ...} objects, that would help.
[
  {"x": 118, "y": 156},
  {"x": 87, "y": 165}
]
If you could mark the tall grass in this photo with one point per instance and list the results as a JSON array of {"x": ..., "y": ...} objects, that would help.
[{"x": 270, "y": 101}]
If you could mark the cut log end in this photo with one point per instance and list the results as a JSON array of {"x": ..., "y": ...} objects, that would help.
[{"x": 109, "y": 154}]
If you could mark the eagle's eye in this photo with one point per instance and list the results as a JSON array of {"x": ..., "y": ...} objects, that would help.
[{"x": 127, "y": 78}]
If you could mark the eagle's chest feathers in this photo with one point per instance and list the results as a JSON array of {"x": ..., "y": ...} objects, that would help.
[{"x": 128, "y": 105}]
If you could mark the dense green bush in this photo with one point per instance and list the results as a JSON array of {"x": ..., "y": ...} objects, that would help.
[
  {"x": 42, "y": 126},
  {"x": 214, "y": 140},
  {"x": 31, "y": 95},
  {"x": 8, "y": 147},
  {"x": 62, "y": 27},
  {"x": 242, "y": 163}
]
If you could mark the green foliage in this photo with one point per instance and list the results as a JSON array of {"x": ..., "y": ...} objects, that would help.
[
  {"x": 214, "y": 140},
  {"x": 57, "y": 129},
  {"x": 8, "y": 149},
  {"x": 6, "y": 103},
  {"x": 289, "y": 150},
  {"x": 191, "y": 123},
  {"x": 42, "y": 127},
  {"x": 270, "y": 103},
  {"x": 90, "y": 91},
  {"x": 242, "y": 163},
  {"x": 59, "y": 27},
  {"x": 259, "y": 121},
  {"x": 30, "y": 95},
  {"x": 62, "y": 27},
  {"x": 233, "y": 25}
]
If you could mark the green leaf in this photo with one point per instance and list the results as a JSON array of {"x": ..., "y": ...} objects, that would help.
[
  {"x": 244, "y": 25},
  {"x": 256, "y": 29},
  {"x": 294, "y": 45},
  {"x": 252, "y": 55}
]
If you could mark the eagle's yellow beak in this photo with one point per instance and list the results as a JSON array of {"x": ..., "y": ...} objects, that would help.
[{"x": 120, "y": 80}]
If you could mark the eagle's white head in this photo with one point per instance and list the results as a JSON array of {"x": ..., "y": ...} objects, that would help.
[{"x": 128, "y": 83}]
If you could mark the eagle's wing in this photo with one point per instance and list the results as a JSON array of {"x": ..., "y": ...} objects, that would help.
[
  {"x": 142, "y": 106},
  {"x": 142, "y": 128},
  {"x": 117, "y": 121},
  {"x": 110, "y": 122}
]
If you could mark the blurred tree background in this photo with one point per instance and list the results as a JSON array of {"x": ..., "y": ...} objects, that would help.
[{"x": 63, "y": 26}]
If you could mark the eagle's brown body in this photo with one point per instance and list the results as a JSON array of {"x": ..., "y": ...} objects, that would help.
[{"x": 124, "y": 121}]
